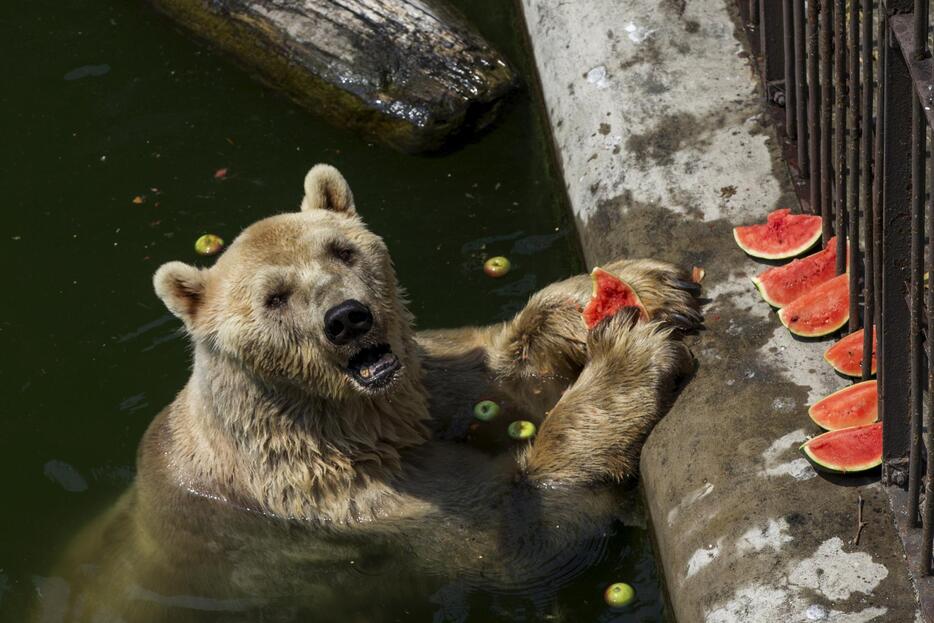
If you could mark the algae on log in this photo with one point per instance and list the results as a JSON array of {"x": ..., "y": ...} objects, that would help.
[{"x": 411, "y": 73}]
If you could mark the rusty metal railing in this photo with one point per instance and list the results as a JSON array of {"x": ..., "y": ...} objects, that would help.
[{"x": 851, "y": 85}]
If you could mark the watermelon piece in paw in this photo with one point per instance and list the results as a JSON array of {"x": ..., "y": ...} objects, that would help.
[{"x": 610, "y": 294}]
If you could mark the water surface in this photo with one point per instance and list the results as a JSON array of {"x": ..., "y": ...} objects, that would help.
[{"x": 115, "y": 122}]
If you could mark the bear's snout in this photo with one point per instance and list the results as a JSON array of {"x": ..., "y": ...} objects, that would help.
[{"x": 347, "y": 321}]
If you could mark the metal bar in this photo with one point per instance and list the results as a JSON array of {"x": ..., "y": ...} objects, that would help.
[
  {"x": 814, "y": 102},
  {"x": 867, "y": 183},
  {"x": 917, "y": 287},
  {"x": 926, "y": 538},
  {"x": 839, "y": 36},
  {"x": 826, "y": 120},
  {"x": 853, "y": 161},
  {"x": 770, "y": 45},
  {"x": 921, "y": 28},
  {"x": 753, "y": 12},
  {"x": 918, "y": 196},
  {"x": 801, "y": 97},
  {"x": 877, "y": 179},
  {"x": 896, "y": 217},
  {"x": 788, "y": 38}
]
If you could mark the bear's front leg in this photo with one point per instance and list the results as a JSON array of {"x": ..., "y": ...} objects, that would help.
[
  {"x": 548, "y": 336},
  {"x": 596, "y": 430}
]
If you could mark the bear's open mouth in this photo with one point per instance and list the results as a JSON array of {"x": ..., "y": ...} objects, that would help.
[{"x": 374, "y": 366}]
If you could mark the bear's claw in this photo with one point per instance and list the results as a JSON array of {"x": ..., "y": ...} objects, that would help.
[{"x": 690, "y": 286}]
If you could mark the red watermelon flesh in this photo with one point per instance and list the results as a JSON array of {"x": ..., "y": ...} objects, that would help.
[
  {"x": 849, "y": 450},
  {"x": 783, "y": 235},
  {"x": 610, "y": 294},
  {"x": 783, "y": 284},
  {"x": 846, "y": 356},
  {"x": 821, "y": 311},
  {"x": 855, "y": 405}
]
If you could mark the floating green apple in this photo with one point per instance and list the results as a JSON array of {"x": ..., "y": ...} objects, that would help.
[
  {"x": 521, "y": 429},
  {"x": 485, "y": 410},
  {"x": 496, "y": 266},
  {"x": 209, "y": 244},
  {"x": 619, "y": 594}
]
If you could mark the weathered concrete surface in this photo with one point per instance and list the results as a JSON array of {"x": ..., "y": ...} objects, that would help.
[
  {"x": 658, "y": 127},
  {"x": 412, "y": 73}
]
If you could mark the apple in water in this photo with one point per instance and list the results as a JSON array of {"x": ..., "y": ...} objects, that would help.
[
  {"x": 485, "y": 410},
  {"x": 521, "y": 429},
  {"x": 619, "y": 594},
  {"x": 496, "y": 266},
  {"x": 209, "y": 244}
]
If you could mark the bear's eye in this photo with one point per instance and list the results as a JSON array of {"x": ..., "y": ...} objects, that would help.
[
  {"x": 344, "y": 253},
  {"x": 277, "y": 299}
]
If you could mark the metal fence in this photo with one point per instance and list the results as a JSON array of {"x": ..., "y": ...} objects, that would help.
[{"x": 851, "y": 85}]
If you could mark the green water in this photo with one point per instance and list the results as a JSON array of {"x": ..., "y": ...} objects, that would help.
[{"x": 104, "y": 101}]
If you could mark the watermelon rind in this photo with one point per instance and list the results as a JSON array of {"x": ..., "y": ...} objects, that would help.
[
  {"x": 856, "y": 338},
  {"x": 784, "y": 313},
  {"x": 836, "y": 468},
  {"x": 763, "y": 292},
  {"x": 781, "y": 255},
  {"x": 841, "y": 394}
]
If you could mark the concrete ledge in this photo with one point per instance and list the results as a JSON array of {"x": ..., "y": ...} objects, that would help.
[{"x": 656, "y": 117}]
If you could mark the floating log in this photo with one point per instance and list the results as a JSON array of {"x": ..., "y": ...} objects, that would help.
[{"x": 411, "y": 73}]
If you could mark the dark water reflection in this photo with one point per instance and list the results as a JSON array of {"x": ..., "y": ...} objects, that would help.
[{"x": 105, "y": 101}]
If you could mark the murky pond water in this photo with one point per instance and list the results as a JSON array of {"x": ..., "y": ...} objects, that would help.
[{"x": 115, "y": 123}]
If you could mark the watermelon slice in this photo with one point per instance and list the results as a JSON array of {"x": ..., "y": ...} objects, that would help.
[
  {"x": 610, "y": 294},
  {"x": 783, "y": 284},
  {"x": 855, "y": 405},
  {"x": 821, "y": 311},
  {"x": 846, "y": 356},
  {"x": 783, "y": 235},
  {"x": 849, "y": 450}
]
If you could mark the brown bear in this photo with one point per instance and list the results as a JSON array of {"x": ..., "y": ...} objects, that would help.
[{"x": 320, "y": 463}]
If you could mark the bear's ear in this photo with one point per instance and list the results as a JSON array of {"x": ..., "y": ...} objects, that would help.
[
  {"x": 326, "y": 189},
  {"x": 181, "y": 288}
]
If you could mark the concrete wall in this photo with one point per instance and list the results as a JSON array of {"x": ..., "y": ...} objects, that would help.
[{"x": 658, "y": 126}]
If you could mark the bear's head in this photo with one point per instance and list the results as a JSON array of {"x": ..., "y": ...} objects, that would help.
[{"x": 308, "y": 299}]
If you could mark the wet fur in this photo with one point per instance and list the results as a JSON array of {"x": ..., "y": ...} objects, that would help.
[{"x": 272, "y": 458}]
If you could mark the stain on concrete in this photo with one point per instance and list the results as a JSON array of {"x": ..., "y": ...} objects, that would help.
[
  {"x": 649, "y": 230},
  {"x": 648, "y": 54},
  {"x": 830, "y": 574},
  {"x": 670, "y": 134},
  {"x": 782, "y": 458},
  {"x": 837, "y": 574},
  {"x": 689, "y": 500},
  {"x": 702, "y": 557},
  {"x": 772, "y": 536},
  {"x": 674, "y": 7}
]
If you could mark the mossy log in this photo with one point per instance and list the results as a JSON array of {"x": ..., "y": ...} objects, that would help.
[{"x": 411, "y": 73}]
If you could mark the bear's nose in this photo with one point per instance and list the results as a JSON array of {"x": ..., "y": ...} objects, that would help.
[{"x": 347, "y": 321}]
